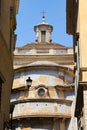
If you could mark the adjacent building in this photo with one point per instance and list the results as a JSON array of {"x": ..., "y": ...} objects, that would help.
[
  {"x": 8, "y": 11},
  {"x": 48, "y": 103},
  {"x": 77, "y": 26}
]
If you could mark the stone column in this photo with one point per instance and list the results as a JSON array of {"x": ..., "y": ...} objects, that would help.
[
  {"x": 62, "y": 124},
  {"x": 56, "y": 124}
]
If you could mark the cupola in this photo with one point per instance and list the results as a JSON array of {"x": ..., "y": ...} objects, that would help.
[{"x": 43, "y": 32}]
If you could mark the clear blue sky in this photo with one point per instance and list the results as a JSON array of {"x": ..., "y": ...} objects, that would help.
[{"x": 30, "y": 15}]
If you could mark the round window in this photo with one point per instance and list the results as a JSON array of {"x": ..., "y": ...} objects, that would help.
[{"x": 41, "y": 92}]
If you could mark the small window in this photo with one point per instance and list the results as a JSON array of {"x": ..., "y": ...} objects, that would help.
[
  {"x": 43, "y": 36},
  {"x": 41, "y": 92}
]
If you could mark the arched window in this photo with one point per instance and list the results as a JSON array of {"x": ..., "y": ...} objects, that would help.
[{"x": 43, "y": 36}]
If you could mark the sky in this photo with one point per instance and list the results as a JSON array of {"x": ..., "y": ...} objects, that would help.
[{"x": 30, "y": 14}]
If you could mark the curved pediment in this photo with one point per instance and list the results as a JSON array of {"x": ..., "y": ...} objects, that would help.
[
  {"x": 39, "y": 63},
  {"x": 43, "y": 63}
]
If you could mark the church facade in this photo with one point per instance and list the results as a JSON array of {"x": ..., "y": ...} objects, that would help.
[{"x": 48, "y": 103}]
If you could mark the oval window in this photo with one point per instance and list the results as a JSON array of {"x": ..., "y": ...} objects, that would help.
[{"x": 41, "y": 92}]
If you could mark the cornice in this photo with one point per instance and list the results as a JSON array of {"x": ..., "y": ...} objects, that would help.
[
  {"x": 26, "y": 59},
  {"x": 44, "y": 56}
]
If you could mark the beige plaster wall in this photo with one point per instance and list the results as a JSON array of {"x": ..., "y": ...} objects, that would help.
[{"x": 83, "y": 31}]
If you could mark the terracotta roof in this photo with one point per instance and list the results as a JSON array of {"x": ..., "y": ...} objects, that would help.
[{"x": 43, "y": 46}]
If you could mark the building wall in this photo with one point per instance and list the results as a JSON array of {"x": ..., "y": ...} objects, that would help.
[
  {"x": 6, "y": 63},
  {"x": 82, "y": 14},
  {"x": 83, "y": 31},
  {"x": 41, "y": 76},
  {"x": 78, "y": 15}
]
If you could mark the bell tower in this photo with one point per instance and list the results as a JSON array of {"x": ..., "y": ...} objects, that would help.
[{"x": 43, "y": 32}]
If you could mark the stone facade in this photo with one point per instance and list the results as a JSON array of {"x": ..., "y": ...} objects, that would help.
[
  {"x": 49, "y": 102},
  {"x": 8, "y": 11},
  {"x": 77, "y": 26}
]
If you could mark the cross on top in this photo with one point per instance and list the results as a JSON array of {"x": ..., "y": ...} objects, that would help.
[{"x": 43, "y": 14}]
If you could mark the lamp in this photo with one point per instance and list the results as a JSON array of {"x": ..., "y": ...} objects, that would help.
[
  {"x": 11, "y": 108},
  {"x": 28, "y": 82}
]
